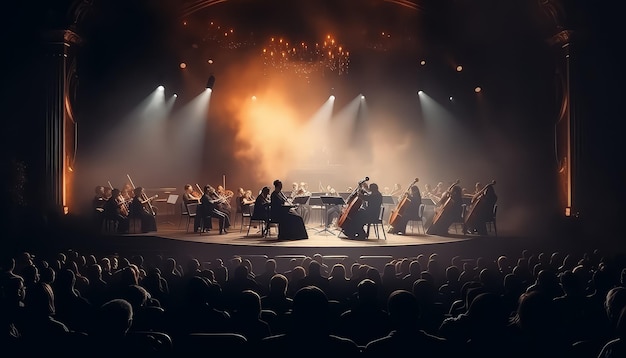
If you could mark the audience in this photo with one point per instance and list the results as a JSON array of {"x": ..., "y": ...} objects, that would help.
[{"x": 546, "y": 305}]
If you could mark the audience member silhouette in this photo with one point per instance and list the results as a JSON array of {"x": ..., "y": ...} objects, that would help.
[
  {"x": 309, "y": 332},
  {"x": 366, "y": 320},
  {"x": 406, "y": 335}
]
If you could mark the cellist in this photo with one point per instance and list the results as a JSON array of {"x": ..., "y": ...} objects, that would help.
[{"x": 410, "y": 210}]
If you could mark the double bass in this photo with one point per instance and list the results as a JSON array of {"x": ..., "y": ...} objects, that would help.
[
  {"x": 353, "y": 202},
  {"x": 398, "y": 212},
  {"x": 481, "y": 204},
  {"x": 445, "y": 215}
]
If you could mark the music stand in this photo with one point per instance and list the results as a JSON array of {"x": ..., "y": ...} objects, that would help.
[
  {"x": 315, "y": 202},
  {"x": 300, "y": 200},
  {"x": 171, "y": 200},
  {"x": 389, "y": 200},
  {"x": 330, "y": 200}
]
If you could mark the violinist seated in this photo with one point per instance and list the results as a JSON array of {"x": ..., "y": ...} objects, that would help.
[
  {"x": 115, "y": 211},
  {"x": 410, "y": 211},
  {"x": 209, "y": 208},
  {"x": 138, "y": 210},
  {"x": 367, "y": 213}
]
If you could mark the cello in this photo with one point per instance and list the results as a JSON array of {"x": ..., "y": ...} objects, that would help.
[
  {"x": 353, "y": 202},
  {"x": 445, "y": 215},
  {"x": 480, "y": 204},
  {"x": 398, "y": 212}
]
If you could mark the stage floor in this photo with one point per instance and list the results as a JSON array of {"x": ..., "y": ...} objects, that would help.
[{"x": 316, "y": 238}]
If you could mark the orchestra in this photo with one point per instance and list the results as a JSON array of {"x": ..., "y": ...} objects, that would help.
[{"x": 362, "y": 205}]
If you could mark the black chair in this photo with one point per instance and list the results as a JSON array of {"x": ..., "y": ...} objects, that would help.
[
  {"x": 460, "y": 220},
  {"x": 419, "y": 220},
  {"x": 234, "y": 344},
  {"x": 245, "y": 212},
  {"x": 192, "y": 211},
  {"x": 261, "y": 218},
  {"x": 377, "y": 223},
  {"x": 492, "y": 223},
  {"x": 183, "y": 212}
]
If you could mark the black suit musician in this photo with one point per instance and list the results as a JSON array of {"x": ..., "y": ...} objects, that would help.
[
  {"x": 209, "y": 209},
  {"x": 368, "y": 212},
  {"x": 137, "y": 210}
]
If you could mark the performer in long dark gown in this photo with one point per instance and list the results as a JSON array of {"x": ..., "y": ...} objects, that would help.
[
  {"x": 449, "y": 212},
  {"x": 411, "y": 211},
  {"x": 290, "y": 224}
]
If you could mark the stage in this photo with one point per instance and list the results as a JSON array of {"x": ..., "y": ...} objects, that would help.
[{"x": 172, "y": 239}]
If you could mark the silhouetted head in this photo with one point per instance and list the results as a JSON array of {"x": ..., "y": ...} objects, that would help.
[{"x": 310, "y": 311}]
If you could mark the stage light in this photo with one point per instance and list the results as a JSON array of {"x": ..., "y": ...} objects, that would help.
[
  {"x": 420, "y": 92},
  {"x": 210, "y": 62},
  {"x": 477, "y": 89},
  {"x": 422, "y": 62},
  {"x": 210, "y": 82},
  {"x": 451, "y": 99},
  {"x": 254, "y": 98},
  {"x": 459, "y": 68},
  {"x": 161, "y": 88},
  {"x": 362, "y": 97},
  {"x": 175, "y": 95},
  {"x": 332, "y": 97},
  {"x": 183, "y": 65}
]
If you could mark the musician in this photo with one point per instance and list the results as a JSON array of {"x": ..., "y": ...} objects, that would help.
[
  {"x": 397, "y": 190},
  {"x": 291, "y": 225},
  {"x": 484, "y": 213},
  {"x": 225, "y": 197},
  {"x": 368, "y": 212},
  {"x": 116, "y": 210},
  {"x": 210, "y": 209},
  {"x": 439, "y": 190},
  {"x": 97, "y": 205},
  {"x": 411, "y": 211},
  {"x": 260, "y": 209},
  {"x": 449, "y": 211},
  {"x": 137, "y": 210},
  {"x": 189, "y": 197},
  {"x": 300, "y": 190}
]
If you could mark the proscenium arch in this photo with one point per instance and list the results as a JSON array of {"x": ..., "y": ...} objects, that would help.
[{"x": 195, "y": 6}]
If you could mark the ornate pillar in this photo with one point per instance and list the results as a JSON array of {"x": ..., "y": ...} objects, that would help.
[
  {"x": 567, "y": 124},
  {"x": 59, "y": 71}
]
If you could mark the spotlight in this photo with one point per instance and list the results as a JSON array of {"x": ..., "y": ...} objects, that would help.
[
  {"x": 210, "y": 82},
  {"x": 332, "y": 97},
  {"x": 161, "y": 88},
  {"x": 459, "y": 68},
  {"x": 477, "y": 89},
  {"x": 422, "y": 62},
  {"x": 210, "y": 61},
  {"x": 362, "y": 97},
  {"x": 175, "y": 95},
  {"x": 451, "y": 99},
  {"x": 182, "y": 65},
  {"x": 420, "y": 92},
  {"x": 254, "y": 98}
]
